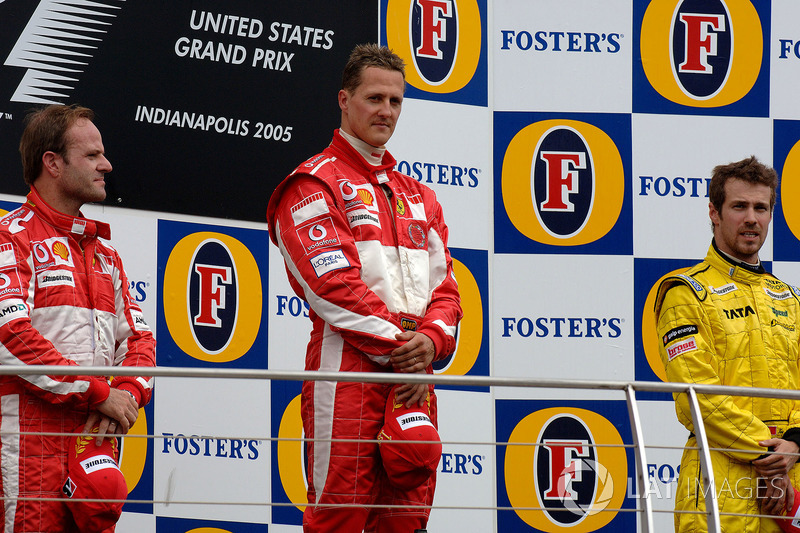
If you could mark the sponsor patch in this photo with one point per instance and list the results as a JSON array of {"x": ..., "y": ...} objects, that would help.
[
  {"x": 78, "y": 226},
  {"x": 98, "y": 462},
  {"x": 69, "y": 488},
  {"x": 693, "y": 282},
  {"x": 9, "y": 282},
  {"x": 12, "y": 309},
  {"x": 417, "y": 235},
  {"x": 51, "y": 252},
  {"x": 318, "y": 234},
  {"x": 725, "y": 289},
  {"x": 7, "y": 255},
  {"x": 678, "y": 333},
  {"x": 408, "y": 324},
  {"x": 413, "y": 420},
  {"x": 784, "y": 325},
  {"x": 785, "y": 295},
  {"x": 329, "y": 261},
  {"x": 360, "y": 217},
  {"x": 358, "y": 196},
  {"x": 775, "y": 284},
  {"x": 681, "y": 347},
  {"x": 416, "y": 207},
  {"x": 139, "y": 323},
  {"x": 53, "y": 278},
  {"x": 308, "y": 208}
]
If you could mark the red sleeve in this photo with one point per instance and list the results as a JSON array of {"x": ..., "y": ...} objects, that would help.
[
  {"x": 328, "y": 276},
  {"x": 135, "y": 344},
  {"x": 444, "y": 311},
  {"x": 22, "y": 344}
]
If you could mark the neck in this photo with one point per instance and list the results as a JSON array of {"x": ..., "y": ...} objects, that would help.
[
  {"x": 371, "y": 154},
  {"x": 57, "y": 201}
]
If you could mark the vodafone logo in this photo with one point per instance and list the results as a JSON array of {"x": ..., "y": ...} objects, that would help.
[
  {"x": 5, "y": 281},
  {"x": 317, "y": 232},
  {"x": 348, "y": 191}
]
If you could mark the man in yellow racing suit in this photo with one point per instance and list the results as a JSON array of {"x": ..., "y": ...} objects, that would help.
[{"x": 726, "y": 321}]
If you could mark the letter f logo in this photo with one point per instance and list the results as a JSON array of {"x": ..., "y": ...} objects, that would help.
[
  {"x": 433, "y": 30},
  {"x": 212, "y": 293},
  {"x": 700, "y": 41}
]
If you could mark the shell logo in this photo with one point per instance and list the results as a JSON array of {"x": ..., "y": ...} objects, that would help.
[
  {"x": 60, "y": 249},
  {"x": 366, "y": 196}
]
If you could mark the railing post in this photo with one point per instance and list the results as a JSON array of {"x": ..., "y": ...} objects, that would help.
[
  {"x": 641, "y": 459},
  {"x": 712, "y": 508}
]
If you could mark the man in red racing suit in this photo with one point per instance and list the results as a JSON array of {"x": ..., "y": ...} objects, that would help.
[
  {"x": 64, "y": 301},
  {"x": 366, "y": 246}
]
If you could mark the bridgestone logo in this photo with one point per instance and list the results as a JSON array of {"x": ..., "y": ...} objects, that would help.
[
  {"x": 412, "y": 420},
  {"x": 50, "y": 279},
  {"x": 99, "y": 462}
]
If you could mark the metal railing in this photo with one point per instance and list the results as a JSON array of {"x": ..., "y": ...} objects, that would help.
[{"x": 629, "y": 389}]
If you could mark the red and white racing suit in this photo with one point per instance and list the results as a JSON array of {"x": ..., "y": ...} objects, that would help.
[
  {"x": 63, "y": 301},
  {"x": 366, "y": 247}
]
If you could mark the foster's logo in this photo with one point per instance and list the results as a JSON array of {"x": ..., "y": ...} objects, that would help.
[
  {"x": 579, "y": 468},
  {"x": 702, "y": 53},
  {"x": 442, "y": 39},
  {"x": 213, "y": 295},
  {"x": 552, "y": 193},
  {"x": 208, "y": 314}
]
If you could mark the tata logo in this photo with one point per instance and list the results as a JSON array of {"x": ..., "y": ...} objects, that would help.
[
  {"x": 702, "y": 53},
  {"x": 571, "y": 474},
  {"x": 208, "y": 314},
  {"x": 551, "y": 187},
  {"x": 739, "y": 312},
  {"x": 440, "y": 38}
]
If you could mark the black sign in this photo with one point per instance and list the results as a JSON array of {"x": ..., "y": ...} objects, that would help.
[{"x": 204, "y": 106}]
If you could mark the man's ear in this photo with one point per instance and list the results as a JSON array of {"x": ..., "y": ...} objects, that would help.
[
  {"x": 52, "y": 163},
  {"x": 713, "y": 214},
  {"x": 344, "y": 100}
]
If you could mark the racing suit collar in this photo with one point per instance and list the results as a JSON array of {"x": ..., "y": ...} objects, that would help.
[
  {"x": 737, "y": 270},
  {"x": 79, "y": 225},
  {"x": 346, "y": 152}
]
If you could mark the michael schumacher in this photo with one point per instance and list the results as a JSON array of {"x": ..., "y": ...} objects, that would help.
[{"x": 366, "y": 247}]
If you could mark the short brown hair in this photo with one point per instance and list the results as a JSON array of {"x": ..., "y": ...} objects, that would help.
[
  {"x": 750, "y": 170},
  {"x": 369, "y": 55},
  {"x": 45, "y": 131}
]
